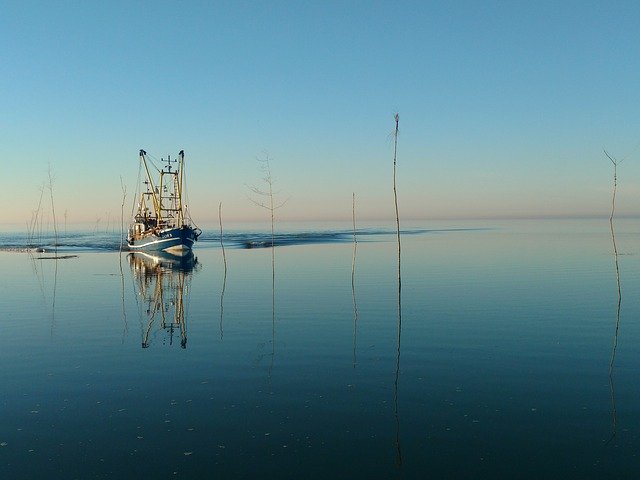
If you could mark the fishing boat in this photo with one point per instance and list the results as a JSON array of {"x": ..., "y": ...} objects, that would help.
[{"x": 161, "y": 221}]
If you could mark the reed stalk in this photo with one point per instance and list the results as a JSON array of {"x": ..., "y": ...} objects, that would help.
[
  {"x": 353, "y": 275},
  {"x": 269, "y": 204},
  {"x": 224, "y": 279},
  {"x": 124, "y": 198},
  {"x": 395, "y": 190},
  {"x": 399, "y": 328},
  {"x": 35, "y": 217},
  {"x": 53, "y": 211},
  {"x": 124, "y": 311},
  {"x": 355, "y": 241},
  {"x": 224, "y": 256},
  {"x": 615, "y": 162}
]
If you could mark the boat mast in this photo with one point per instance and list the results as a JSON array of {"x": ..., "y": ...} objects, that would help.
[
  {"x": 161, "y": 187},
  {"x": 179, "y": 193},
  {"x": 170, "y": 204},
  {"x": 156, "y": 202}
]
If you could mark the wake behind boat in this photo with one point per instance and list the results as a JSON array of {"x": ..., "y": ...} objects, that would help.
[{"x": 162, "y": 222}]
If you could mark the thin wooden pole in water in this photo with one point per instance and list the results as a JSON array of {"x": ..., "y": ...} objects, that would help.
[
  {"x": 615, "y": 163},
  {"x": 124, "y": 198},
  {"x": 36, "y": 216},
  {"x": 224, "y": 279},
  {"x": 399, "y": 335},
  {"x": 53, "y": 211},
  {"x": 272, "y": 207},
  {"x": 355, "y": 240},
  {"x": 615, "y": 183},
  {"x": 353, "y": 282},
  {"x": 395, "y": 190},
  {"x": 224, "y": 255}
]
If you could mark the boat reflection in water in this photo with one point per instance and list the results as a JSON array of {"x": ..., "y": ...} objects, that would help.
[{"x": 162, "y": 283}]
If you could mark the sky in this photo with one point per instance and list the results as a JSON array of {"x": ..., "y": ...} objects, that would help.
[{"x": 505, "y": 106}]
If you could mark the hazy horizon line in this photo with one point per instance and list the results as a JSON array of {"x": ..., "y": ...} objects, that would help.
[{"x": 101, "y": 227}]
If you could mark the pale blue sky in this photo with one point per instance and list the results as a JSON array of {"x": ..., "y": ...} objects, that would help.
[{"x": 504, "y": 106}]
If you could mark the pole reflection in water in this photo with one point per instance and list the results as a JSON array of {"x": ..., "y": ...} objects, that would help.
[
  {"x": 162, "y": 282},
  {"x": 397, "y": 377},
  {"x": 615, "y": 163},
  {"x": 615, "y": 335}
]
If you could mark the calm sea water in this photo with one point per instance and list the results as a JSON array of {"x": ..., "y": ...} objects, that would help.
[{"x": 505, "y": 355}]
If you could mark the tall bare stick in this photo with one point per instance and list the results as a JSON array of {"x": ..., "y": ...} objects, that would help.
[
  {"x": 353, "y": 275},
  {"x": 224, "y": 256},
  {"x": 395, "y": 189},
  {"x": 224, "y": 280},
  {"x": 399, "y": 333},
  {"x": 355, "y": 239},
  {"x": 53, "y": 211},
  {"x": 615, "y": 162},
  {"x": 124, "y": 197},
  {"x": 271, "y": 207},
  {"x": 124, "y": 311},
  {"x": 35, "y": 216}
]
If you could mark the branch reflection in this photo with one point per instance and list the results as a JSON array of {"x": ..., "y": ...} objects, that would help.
[
  {"x": 615, "y": 335},
  {"x": 397, "y": 377}
]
